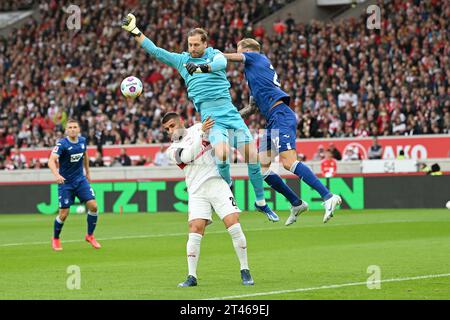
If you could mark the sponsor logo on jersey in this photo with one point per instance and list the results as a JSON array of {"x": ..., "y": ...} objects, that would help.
[{"x": 76, "y": 157}]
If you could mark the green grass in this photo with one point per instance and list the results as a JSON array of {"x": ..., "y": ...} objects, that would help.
[{"x": 143, "y": 256}]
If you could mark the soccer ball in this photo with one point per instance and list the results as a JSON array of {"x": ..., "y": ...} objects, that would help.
[
  {"x": 81, "y": 209},
  {"x": 131, "y": 87},
  {"x": 448, "y": 205}
]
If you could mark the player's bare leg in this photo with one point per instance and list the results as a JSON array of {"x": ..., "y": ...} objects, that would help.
[
  {"x": 92, "y": 222},
  {"x": 196, "y": 232},
  {"x": 250, "y": 153},
  {"x": 233, "y": 226},
  {"x": 290, "y": 162},
  {"x": 59, "y": 223}
]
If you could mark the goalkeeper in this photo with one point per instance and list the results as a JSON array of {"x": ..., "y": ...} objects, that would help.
[{"x": 204, "y": 72}]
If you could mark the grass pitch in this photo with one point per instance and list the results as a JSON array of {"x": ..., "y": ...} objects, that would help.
[{"x": 143, "y": 257}]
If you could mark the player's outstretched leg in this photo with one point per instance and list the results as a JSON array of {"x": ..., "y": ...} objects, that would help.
[
  {"x": 256, "y": 179},
  {"x": 92, "y": 217},
  {"x": 331, "y": 201},
  {"x": 57, "y": 228},
  {"x": 240, "y": 246},
  {"x": 297, "y": 205}
]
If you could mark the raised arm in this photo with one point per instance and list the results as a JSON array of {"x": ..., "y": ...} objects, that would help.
[
  {"x": 234, "y": 57},
  {"x": 170, "y": 58}
]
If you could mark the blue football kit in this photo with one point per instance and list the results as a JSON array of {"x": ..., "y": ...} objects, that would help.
[
  {"x": 71, "y": 155},
  {"x": 281, "y": 129}
]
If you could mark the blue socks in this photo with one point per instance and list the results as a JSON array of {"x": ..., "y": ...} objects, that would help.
[
  {"x": 57, "y": 227},
  {"x": 277, "y": 184},
  {"x": 305, "y": 173},
  {"x": 254, "y": 174},
  {"x": 91, "y": 222}
]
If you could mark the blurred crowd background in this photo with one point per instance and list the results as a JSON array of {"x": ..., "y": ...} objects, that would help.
[{"x": 344, "y": 79}]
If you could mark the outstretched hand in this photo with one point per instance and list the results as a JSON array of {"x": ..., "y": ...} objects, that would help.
[
  {"x": 129, "y": 24},
  {"x": 207, "y": 124}
]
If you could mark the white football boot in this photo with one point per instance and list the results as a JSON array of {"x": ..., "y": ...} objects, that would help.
[
  {"x": 330, "y": 205},
  {"x": 295, "y": 212}
]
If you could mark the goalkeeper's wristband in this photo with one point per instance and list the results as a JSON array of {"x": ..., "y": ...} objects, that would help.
[{"x": 136, "y": 32}]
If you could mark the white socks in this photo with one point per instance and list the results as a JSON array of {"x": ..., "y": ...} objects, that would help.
[
  {"x": 239, "y": 243},
  {"x": 193, "y": 252},
  {"x": 261, "y": 203}
]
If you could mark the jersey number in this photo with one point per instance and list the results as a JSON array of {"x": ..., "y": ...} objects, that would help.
[
  {"x": 233, "y": 202},
  {"x": 275, "y": 77}
]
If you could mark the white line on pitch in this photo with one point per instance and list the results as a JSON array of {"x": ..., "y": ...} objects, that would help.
[
  {"x": 333, "y": 286},
  {"x": 208, "y": 232}
]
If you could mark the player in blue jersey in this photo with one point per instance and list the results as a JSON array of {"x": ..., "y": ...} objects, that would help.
[
  {"x": 280, "y": 133},
  {"x": 203, "y": 69},
  {"x": 70, "y": 154}
]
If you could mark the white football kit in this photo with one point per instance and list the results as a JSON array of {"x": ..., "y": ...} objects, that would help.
[{"x": 205, "y": 186}]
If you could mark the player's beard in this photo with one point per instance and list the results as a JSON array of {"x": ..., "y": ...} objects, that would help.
[{"x": 178, "y": 134}]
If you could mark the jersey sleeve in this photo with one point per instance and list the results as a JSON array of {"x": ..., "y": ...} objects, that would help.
[
  {"x": 173, "y": 152},
  {"x": 58, "y": 149},
  {"x": 172, "y": 59},
  {"x": 219, "y": 61},
  {"x": 249, "y": 57}
]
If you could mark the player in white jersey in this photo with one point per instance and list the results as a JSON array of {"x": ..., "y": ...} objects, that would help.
[{"x": 207, "y": 190}]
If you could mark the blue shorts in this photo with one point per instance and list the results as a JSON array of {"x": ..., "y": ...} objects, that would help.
[
  {"x": 80, "y": 188},
  {"x": 229, "y": 126},
  {"x": 281, "y": 130}
]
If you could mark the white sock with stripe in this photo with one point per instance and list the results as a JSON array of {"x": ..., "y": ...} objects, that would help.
[
  {"x": 193, "y": 252},
  {"x": 239, "y": 243}
]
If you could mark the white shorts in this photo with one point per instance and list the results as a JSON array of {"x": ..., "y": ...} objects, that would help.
[{"x": 213, "y": 193}]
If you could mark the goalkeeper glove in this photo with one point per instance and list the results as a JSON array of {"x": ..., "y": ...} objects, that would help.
[
  {"x": 197, "y": 68},
  {"x": 129, "y": 24}
]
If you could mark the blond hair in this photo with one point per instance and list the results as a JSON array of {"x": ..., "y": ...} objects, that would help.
[{"x": 249, "y": 43}]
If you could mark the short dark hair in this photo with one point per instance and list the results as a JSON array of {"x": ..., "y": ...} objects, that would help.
[
  {"x": 72, "y": 120},
  {"x": 199, "y": 31},
  {"x": 169, "y": 116}
]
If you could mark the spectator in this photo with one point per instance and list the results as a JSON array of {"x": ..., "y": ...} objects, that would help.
[
  {"x": 124, "y": 159},
  {"x": 320, "y": 153},
  {"x": 401, "y": 155},
  {"x": 161, "y": 158},
  {"x": 423, "y": 167},
  {"x": 279, "y": 27},
  {"x": 375, "y": 150},
  {"x": 334, "y": 151},
  {"x": 350, "y": 155},
  {"x": 148, "y": 162},
  {"x": 18, "y": 159},
  {"x": 436, "y": 170},
  {"x": 98, "y": 162},
  {"x": 328, "y": 165}
]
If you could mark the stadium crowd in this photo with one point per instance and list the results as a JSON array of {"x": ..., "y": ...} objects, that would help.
[{"x": 344, "y": 79}]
